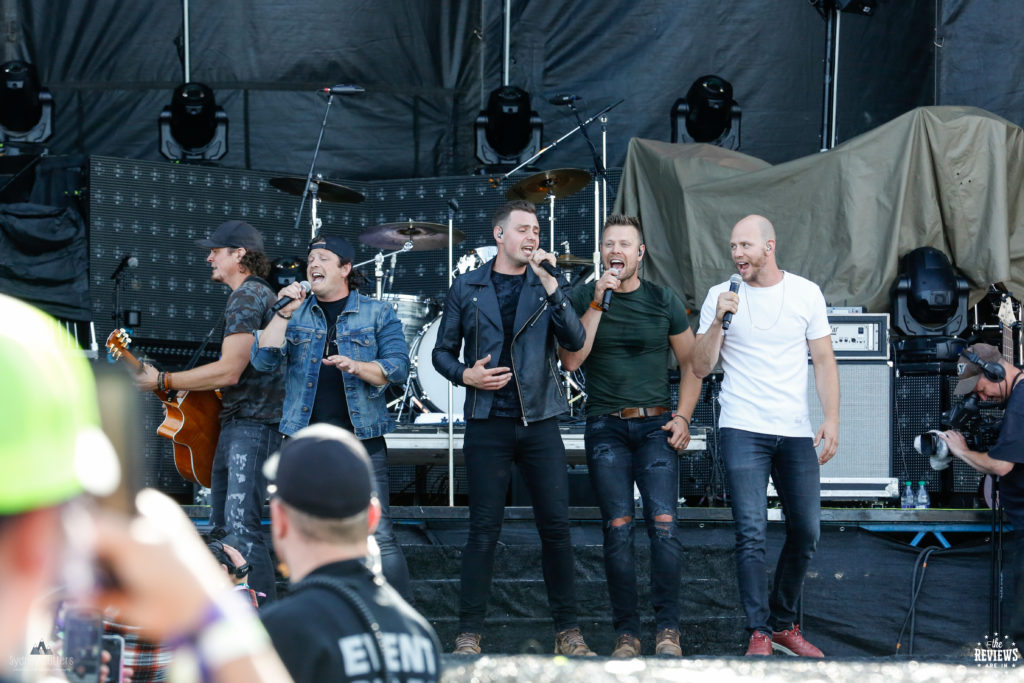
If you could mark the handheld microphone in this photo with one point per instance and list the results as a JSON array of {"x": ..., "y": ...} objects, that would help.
[
  {"x": 551, "y": 270},
  {"x": 344, "y": 89},
  {"x": 606, "y": 300},
  {"x": 734, "y": 286},
  {"x": 285, "y": 300},
  {"x": 563, "y": 99},
  {"x": 127, "y": 261}
]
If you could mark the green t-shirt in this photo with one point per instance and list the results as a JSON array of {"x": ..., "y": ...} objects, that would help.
[{"x": 628, "y": 363}]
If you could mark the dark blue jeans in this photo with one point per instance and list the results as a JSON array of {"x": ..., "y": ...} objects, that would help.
[
  {"x": 491, "y": 447},
  {"x": 793, "y": 464},
  {"x": 238, "y": 491},
  {"x": 620, "y": 452},
  {"x": 392, "y": 559}
]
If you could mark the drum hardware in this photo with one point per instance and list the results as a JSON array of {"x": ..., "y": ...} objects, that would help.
[
  {"x": 326, "y": 190},
  {"x": 423, "y": 236},
  {"x": 378, "y": 266},
  {"x": 560, "y": 183}
]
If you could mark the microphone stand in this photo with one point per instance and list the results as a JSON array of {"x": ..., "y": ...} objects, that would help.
[
  {"x": 582, "y": 126},
  {"x": 309, "y": 176}
]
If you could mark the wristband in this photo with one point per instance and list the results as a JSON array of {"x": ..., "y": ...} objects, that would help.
[
  {"x": 229, "y": 630},
  {"x": 160, "y": 381},
  {"x": 281, "y": 315},
  {"x": 680, "y": 415},
  {"x": 596, "y": 306},
  {"x": 167, "y": 381}
]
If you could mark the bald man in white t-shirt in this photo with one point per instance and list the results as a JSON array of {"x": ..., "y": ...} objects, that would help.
[{"x": 765, "y": 428}]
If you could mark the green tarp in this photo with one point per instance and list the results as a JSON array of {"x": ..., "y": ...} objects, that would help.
[{"x": 945, "y": 177}]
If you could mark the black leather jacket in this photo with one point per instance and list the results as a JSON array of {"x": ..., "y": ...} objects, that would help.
[{"x": 471, "y": 315}]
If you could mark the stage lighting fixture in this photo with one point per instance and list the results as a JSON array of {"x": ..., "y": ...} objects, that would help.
[
  {"x": 930, "y": 299},
  {"x": 707, "y": 114},
  {"x": 193, "y": 127},
  {"x": 507, "y": 132},
  {"x": 26, "y": 109}
]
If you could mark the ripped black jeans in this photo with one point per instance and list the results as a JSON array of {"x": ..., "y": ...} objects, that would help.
[{"x": 620, "y": 452}]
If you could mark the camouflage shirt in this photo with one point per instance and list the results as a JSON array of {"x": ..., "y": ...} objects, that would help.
[{"x": 258, "y": 396}]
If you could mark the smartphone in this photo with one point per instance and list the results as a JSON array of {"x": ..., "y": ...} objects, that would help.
[
  {"x": 114, "y": 646},
  {"x": 83, "y": 641}
]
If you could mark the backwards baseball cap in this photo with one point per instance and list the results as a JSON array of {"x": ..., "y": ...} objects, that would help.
[
  {"x": 337, "y": 245},
  {"x": 52, "y": 447},
  {"x": 234, "y": 234},
  {"x": 972, "y": 371},
  {"x": 323, "y": 471}
]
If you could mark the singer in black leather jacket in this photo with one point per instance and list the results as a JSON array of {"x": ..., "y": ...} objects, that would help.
[
  {"x": 542, "y": 323},
  {"x": 508, "y": 317}
]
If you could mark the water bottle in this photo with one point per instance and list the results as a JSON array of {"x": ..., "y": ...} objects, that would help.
[
  {"x": 908, "y": 500},
  {"x": 922, "y": 500}
]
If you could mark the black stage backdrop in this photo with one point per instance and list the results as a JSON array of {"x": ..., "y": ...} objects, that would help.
[{"x": 428, "y": 66}]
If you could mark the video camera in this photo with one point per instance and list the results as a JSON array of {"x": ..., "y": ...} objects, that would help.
[{"x": 980, "y": 431}]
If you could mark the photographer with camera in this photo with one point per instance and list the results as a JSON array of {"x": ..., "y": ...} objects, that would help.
[{"x": 988, "y": 375}]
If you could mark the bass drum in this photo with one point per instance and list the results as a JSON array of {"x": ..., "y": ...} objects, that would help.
[{"x": 430, "y": 387}]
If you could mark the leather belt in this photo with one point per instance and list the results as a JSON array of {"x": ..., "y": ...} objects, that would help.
[{"x": 631, "y": 413}]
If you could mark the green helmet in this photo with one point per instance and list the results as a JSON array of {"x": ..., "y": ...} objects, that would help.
[{"x": 51, "y": 444}]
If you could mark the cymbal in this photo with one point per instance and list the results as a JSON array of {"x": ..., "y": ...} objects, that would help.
[
  {"x": 424, "y": 236},
  {"x": 570, "y": 260},
  {"x": 561, "y": 182},
  {"x": 325, "y": 189}
]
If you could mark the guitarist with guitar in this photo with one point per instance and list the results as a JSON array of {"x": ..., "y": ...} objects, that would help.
[
  {"x": 251, "y": 400},
  {"x": 992, "y": 377}
]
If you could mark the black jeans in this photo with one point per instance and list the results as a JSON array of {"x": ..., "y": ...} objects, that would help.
[
  {"x": 491, "y": 447},
  {"x": 392, "y": 559},
  {"x": 793, "y": 464},
  {"x": 620, "y": 452}
]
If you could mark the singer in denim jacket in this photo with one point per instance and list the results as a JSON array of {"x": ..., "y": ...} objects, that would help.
[
  {"x": 368, "y": 330},
  {"x": 341, "y": 349}
]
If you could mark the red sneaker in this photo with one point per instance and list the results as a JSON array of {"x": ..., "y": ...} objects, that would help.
[
  {"x": 760, "y": 645},
  {"x": 792, "y": 642}
]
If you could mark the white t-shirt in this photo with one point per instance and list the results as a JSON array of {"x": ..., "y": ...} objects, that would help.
[{"x": 764, "y": 354}]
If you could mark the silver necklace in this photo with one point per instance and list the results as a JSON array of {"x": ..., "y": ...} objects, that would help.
[{"x": 782, "y": 305}]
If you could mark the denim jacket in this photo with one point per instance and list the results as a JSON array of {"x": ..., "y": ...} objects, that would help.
[{"x": 368, "y": 330}]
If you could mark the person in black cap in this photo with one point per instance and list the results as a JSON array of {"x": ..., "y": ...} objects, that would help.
[
  {"x": 251, "y": 400},
  {"x": 993, "y": 378},
  {"x": 340, "y": 621},
  {"x": 340, "y": 350}
]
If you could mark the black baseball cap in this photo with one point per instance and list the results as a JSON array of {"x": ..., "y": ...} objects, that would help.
[
  {"x": 234, "y": 234},
  {"x": 337, "y": 245},
  {"x": 971, "y": 372},
  {"x": 323, "y": 471}
]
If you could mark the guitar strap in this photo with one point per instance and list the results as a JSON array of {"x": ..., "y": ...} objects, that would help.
[{"x": 202, "y": 347}]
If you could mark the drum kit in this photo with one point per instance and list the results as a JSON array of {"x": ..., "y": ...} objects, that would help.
[{"x": 424, "y": 397}]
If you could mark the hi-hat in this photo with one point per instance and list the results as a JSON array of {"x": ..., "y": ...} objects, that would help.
[
  {"x": 561, "y": 182},
  {"x": 424, "y": 236},
  {"x": 570, "y": 260},
  {"x": 325, "y": 189}
]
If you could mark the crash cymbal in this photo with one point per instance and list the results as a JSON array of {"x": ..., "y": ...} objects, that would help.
[
  {"x": 325, "y": 189},
  {"x": 570, "y": 260},
  {"x": 561, "y": 182},
  {"x": 424, "y": 236}
]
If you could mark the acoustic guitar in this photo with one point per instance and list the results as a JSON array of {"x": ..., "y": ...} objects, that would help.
[{"x": 191, "y": 419}]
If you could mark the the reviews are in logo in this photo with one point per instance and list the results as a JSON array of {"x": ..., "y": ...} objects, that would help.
[{"x": 997, "y": 651}]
